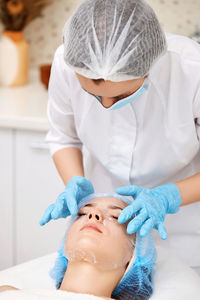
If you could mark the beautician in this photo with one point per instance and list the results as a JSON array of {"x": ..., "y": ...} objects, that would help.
[{"x": 130, "y": 95}]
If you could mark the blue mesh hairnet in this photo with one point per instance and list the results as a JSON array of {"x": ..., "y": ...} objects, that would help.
[
  {"x": 137, "y": 282},
  {"x": 114, "y": 40}
]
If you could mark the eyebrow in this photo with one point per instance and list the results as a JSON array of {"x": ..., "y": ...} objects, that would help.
[
  {"x": 116, "y": 97},
  {"x": 110, "y": 206}
]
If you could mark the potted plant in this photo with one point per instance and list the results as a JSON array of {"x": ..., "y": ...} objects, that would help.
[{"x": 15, "y": 15}]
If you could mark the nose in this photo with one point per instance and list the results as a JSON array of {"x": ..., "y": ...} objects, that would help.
[{"x": 95, "y": 215}]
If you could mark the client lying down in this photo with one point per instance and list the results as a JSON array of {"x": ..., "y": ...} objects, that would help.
[{"x": 98, "y": 258}]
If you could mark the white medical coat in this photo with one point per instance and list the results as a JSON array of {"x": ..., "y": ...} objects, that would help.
[{"x": 152, "y": 141}]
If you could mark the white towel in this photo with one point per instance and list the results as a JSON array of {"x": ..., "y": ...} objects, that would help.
[{"x": 44, "y": 294}]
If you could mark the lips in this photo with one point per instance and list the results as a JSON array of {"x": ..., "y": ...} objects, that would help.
[{"x": 92, "y": 227}]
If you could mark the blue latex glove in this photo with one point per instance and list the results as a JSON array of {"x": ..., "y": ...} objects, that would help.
[
  {"x": 150, "y": 207},
  {"x": 66, "y": 204}
]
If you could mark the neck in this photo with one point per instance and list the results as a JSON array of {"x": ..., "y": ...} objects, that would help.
[{"x": 85, "y": 278}]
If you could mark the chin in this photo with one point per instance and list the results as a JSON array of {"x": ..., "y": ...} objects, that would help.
[
  {"x": 89, "y": 242},
  {"x": 89, "y": 248}
]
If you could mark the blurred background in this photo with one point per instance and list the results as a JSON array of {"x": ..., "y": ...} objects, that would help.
[
  {"x": 45, "y": 33},
  {"x": 29, "y": 181}
]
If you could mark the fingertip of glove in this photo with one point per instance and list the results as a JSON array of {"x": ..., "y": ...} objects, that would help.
[
  {"x": 131, "y": 230},
  {"x": 162, "y": 231},
  {"x": 120, "y": 220},
  {"x": 42, "y": 223},
  {"x": 123, "y": 218},
  {"x": 143, "y": 233},
  {"x": 120, "y": 192},
  {"x": 163, "y": 236}
]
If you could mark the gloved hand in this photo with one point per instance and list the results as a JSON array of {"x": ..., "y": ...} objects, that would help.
[
  {"x": 150, "y": 207},
  {"x": 67, "y": 202}
]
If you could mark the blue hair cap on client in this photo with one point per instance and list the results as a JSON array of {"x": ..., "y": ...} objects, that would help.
[{"x": 137, "y": 282}]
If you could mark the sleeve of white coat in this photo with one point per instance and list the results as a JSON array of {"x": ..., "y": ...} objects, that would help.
[
  {"x": 197, "y": 112},
  {"x": 62, "y": 133}
]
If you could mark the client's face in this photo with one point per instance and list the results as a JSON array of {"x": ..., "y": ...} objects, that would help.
[{"x": 97, "y": 237}]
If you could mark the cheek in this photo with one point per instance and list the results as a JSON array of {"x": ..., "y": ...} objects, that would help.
[
  {"x": 72, "y": 236},
  {"x": 119, "y": 243}
]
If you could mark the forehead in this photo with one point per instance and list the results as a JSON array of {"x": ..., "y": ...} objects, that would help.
[{"x": 107, "y": 202}]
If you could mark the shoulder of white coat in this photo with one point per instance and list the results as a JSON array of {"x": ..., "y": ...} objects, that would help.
[
  {"x": 59, "y": 54},
  {"x": 59, "y": 51},
  {"x": 185, "y": 47},
  {"x": 61, "y": 64}
]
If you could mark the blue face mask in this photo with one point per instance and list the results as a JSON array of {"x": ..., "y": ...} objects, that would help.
[{"x": 121, "y": 103}]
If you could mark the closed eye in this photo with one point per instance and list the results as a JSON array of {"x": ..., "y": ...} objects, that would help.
[{"x": 81, "y": 214}]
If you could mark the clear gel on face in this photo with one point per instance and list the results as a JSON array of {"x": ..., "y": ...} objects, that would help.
[{"x": 101, "y": 217}]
